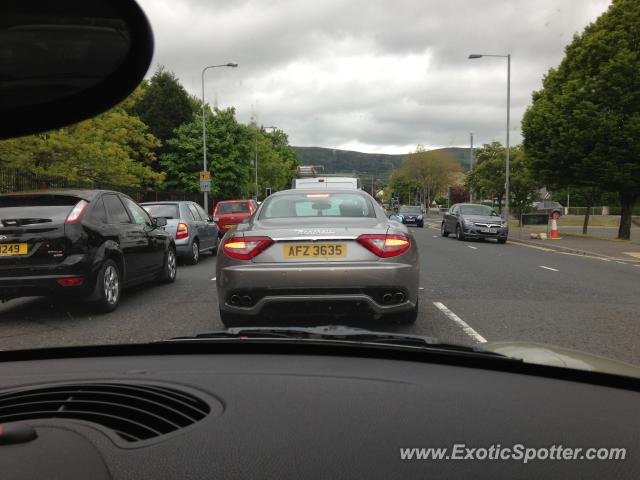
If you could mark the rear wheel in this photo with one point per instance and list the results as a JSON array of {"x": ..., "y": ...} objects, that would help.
[
  {"x": 170, "y": 267},
  {"x": 194, "y": 254},
  {"x": 459, "y": 234},
  {"x": 108, "y": 287},
  {"x": 443, "y": 230}
]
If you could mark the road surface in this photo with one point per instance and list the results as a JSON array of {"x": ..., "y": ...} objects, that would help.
[{"x": 472, "y": 291}]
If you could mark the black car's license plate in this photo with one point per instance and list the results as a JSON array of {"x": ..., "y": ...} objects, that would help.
[{"x": 7, "y": 249}]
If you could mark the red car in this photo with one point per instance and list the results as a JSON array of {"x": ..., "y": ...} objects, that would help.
[{"x": 228, "y": 213}]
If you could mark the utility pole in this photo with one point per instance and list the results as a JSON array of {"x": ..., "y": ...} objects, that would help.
[
  {"x": 471, "y": 163},
  {"x": 204, "y": 128}
]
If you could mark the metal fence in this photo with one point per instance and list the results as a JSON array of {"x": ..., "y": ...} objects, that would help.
[{"x": 15, "y": 180}]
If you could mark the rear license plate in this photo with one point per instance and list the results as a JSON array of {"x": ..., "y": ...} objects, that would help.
[
  {"x": 489, "y": 230},
  {"x": 315, "y": 250},
  {"x": 7, "y": 249}
]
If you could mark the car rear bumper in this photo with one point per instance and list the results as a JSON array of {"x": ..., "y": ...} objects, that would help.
[
  {"x": 37, "y": 280},
  {"x": 315, "y": 288},
  {"x": 183, "y": 249},
  {"x": 42, "y": 285}
]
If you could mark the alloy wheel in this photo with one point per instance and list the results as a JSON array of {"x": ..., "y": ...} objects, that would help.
[{"x": 111, "y": 285}]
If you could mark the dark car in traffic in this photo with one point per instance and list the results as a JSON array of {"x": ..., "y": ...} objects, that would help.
[
  {"x": 469, "y": 220},
  {"x": 85, "y": 244},
  {"x": 229, "y": 213},
  {"x": 549, "y": 207},
  {"x": 411, "y": 215},
  {"x": 193, "y": 231}
]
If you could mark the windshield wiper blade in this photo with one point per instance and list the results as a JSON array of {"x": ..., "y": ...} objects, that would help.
[{"x": 340, "y": 333}]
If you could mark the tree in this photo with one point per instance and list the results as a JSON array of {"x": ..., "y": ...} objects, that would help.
[
  {"x": 402, "y": 185},
  {"x": 277, "y": 161},
  {"x": 432, "y": 171},
  {"x": 583, "y": 127},
  {"x": 113, "y": 149},
  {"x": 487, "y": 179},
  {"x": 164, "y": 105},
  {"x": 229, "y": 153},
  {"x": 523, "y": 185},
  {"x": 488, "y": 176}
]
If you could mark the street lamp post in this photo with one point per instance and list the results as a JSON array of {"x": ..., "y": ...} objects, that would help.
[
  {"x": 506, "y": 184},
  {"x": 256, "y": 162},
  {"x": 470, "y": 163},
  {"x": 204, "y": 129}
]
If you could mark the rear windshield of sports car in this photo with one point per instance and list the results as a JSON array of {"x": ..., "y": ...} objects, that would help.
[{"x": 349, "y": 205}]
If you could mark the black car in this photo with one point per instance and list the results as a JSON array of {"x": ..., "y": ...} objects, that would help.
[
  {"x": 411, "y": 215},
  {"x": 468, "y": 220},
  {"x": 549, "y": 207},
  {"x": 84, "y": 244}
]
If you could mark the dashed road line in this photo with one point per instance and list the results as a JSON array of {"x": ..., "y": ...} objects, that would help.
[
  {"x": 465, "y": 326},
  {"x": 549, "y": 268},
  {"x": 471, "y": 246},
  {"x": 213, "y": 279},
  {"x": 621, "y": 263}
]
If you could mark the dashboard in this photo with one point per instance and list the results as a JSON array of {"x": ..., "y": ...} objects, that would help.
[{"x": 315, "y": 415}]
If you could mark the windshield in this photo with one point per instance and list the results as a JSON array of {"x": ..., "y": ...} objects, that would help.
[
  {"x": 163, "y": 210},
  {"x": 468, "y": 171},
  {"x": 233, "y": 207},
  {"x": 479, "y": 210},
  {"x": 410, "y": 210}
]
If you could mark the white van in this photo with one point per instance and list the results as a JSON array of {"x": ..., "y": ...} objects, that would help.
[{"x": 350, "y": 183}]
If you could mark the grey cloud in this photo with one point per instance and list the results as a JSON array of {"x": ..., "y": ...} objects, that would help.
[{"x": 384, "y": 75}]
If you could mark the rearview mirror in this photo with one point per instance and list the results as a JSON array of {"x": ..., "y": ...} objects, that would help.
[{"x": 63, "y": 62}]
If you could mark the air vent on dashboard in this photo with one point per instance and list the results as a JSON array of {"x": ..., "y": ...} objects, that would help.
[{"x": 134, "y": 411}]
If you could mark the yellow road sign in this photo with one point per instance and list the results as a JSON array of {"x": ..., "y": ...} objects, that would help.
[{"x": 205, "y": 176}]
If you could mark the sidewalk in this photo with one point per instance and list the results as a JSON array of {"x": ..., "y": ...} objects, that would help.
[{"x": 620, "y": 250}]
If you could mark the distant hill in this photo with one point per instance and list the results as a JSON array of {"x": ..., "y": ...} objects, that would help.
[{"x": 379, "y": 165}]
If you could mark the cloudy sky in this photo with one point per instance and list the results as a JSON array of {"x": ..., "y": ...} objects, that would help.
[{"x": 369, "y": 75}]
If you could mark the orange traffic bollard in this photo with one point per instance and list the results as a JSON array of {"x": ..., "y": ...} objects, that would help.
[{"x": 554, "y": 227}]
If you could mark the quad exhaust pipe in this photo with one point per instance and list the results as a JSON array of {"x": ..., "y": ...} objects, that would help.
[
  {"x": 244, "y": 300},
  {"x": 392, "y": 298}
]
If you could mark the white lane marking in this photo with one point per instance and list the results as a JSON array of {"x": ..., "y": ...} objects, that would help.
[
  {"x": 435, "y": 236},
  {"x": 622, "y": 263},
  {"x": 465, "y": 326},
  {"x": 213, "y": 279},
  {"x": 636, "y": 265},
  {"x": 422, "y": 288},
  {"x": 471, "y": 246},
  {"x": 549, "y": 268}
]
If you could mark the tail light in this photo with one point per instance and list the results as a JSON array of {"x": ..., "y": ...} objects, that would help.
[
  {"x": 182, "y": 231},
  {"x": 76, "y": 213},
  {"x": 245, "y": 248},
  {"x": 385, "y": 245}
]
